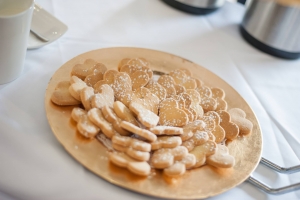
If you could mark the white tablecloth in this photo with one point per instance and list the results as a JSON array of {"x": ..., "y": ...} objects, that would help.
[{"x": 33, "y": 165}]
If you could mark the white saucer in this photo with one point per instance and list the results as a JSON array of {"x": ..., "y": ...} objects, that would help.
[{"x": 49, "y": 24}]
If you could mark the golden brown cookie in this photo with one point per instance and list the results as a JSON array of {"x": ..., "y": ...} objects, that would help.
[
  {"x": 238, "y": 116},
  {"x": 83, "y": 70},
  {"x": 202, "y": 151},
  {"x": 139, "y": 131},
  {"x": 95, "y": 74},
  {"x": 141, "y": 168},
  {"x": 166, "y": 157},
  {"x": 166, "y": 142},
  {"x": 181, "y": 78},
  {"x": 171, "y": 115},
  {"x": 219, "y": 95},
  {"x": 180, "y": 166},
  {"x": 61, "y": 95},
  {"x": 95, "y": 115},
  {"x": 231, "y": 129},
  {"x": 104, "y": 97},
  {"x": 221, "y": 158}
]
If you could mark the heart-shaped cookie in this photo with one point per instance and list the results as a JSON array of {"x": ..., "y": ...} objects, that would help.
[
  {"x": 108, "y": 78},
  {"x": 218, "y": 94},
  {"x": 95, "y": 74},
  {"x": 105, "y": 97},
  {"x": 147, "y": 99},
  {"x": 83, "y": 70},
  {"x": 61, "y": 95},
  {"x": 157, "y": 89},
  {"x": 231, "y": 129},
  {"x": 180, "y": 166},
  {"x": 202, "y": 151},
  {"x": 168, "y": 83},
  {"x": 170, "y": 114},
  {"x": 120, "y": 159},
  {"x": 238, "y": 116},
  {"x": 221, "y": 158},
  {"x": 181, "y": 78}
]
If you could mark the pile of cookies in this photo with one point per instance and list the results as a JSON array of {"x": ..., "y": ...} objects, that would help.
[{"x": 171, "y": 122}]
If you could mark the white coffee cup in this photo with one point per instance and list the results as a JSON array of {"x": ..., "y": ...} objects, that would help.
[{"x": 15, "y": 20}]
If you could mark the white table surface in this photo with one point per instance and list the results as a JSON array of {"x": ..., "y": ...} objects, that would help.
[{"x": 33, "y": 165}]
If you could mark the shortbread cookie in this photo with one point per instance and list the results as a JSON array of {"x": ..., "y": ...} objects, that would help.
[
  {"x": 124, "y": 113},
  {"x": 171, "y": 115},
  {"x": 181, "y": 78},
  {"x": 83, "y": 70},
  {"x": 179, "y": 89},
  {"x": 139, "y": 79},
  {"x": 95, "y": 74},
  {"x": 87, "y": 128},
  {"x": 218, "y": 94},
  {"x": 197, "y": 125},
  {"x": 76, "y": 87},
  {"x": 61, "y": 95},
  {"x": 218, "y": 131},
  {"x": 131, "y": 142},
  {"x": 123, "y": 62},
  {"x": 166, "y": 157},
  {"x": 157, "y": 89},
  {"x": 184, "y": 103},
  {"x": 186, "y": 71},
  {"x": 145, "y": 116},
  {"x": 144, "y": 97},
  {"x": 95, "y": 115},
  {"x": 104, "y": 97},
  {"x": 133, "y": 153},
  {"x": 74, "y": 79},
  {"x": 86, "y": 94},
  {"x": 199, "y": 82},
  {"x": 180, "y": 166},
  {"x": 211, "y": 136},
  {"x": 221, "y": 158},
  {"x": 238, "y": 116},
  {"x": 202, "y": 151},
  {"x": 136, "y": 64},
  {"x": 166, "y": 142},
  {"x": 108, "y": 78},
  {"x": 207, "y": 102},
  {"x": 198, "y": 138},
  {"x": 231, "y": 129},
  {"x": 122, "y": 87},
  {"x": 139, "y": 131},
  {"x": 110, "y": 115},
  {"x": 195, "y": 104},
  {"x": 141, "y": 168},
  {"x": 166, "y": 130},
  {"x": 77, "y": 113},
  {"x": 191, "y": 128},
  {"x": 210, "y": 123},
  {"x": 168, "y": 83}
]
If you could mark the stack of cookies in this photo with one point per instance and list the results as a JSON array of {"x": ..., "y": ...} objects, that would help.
[{"x": 171, "y": 122}]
